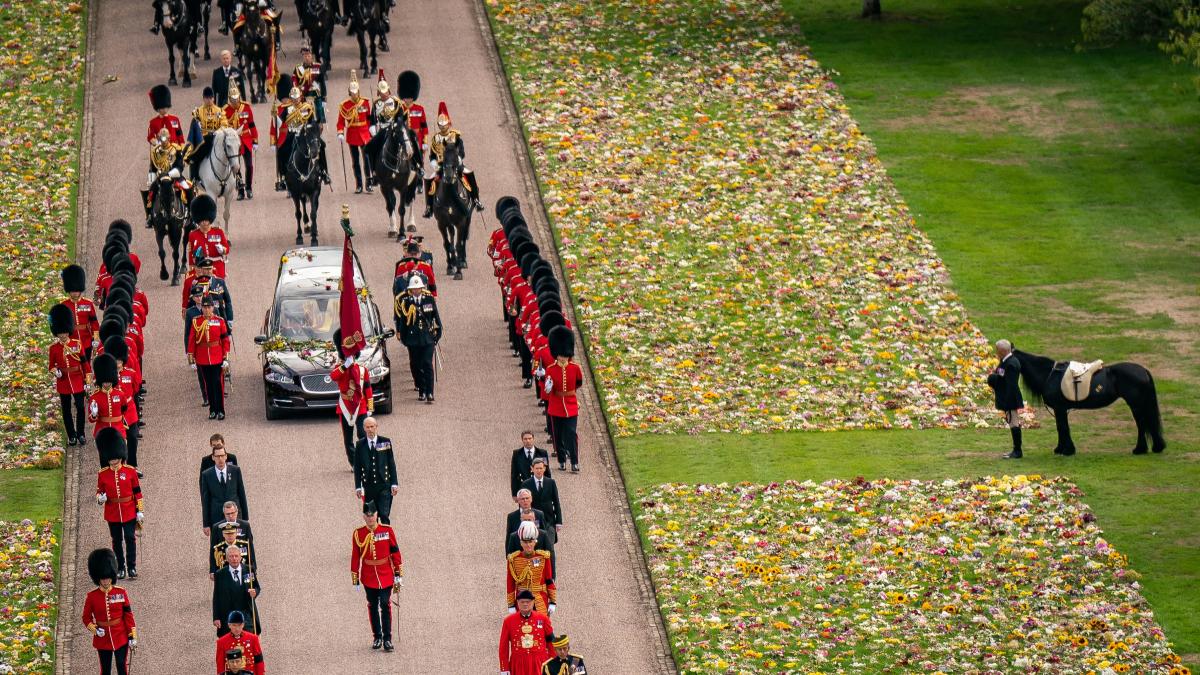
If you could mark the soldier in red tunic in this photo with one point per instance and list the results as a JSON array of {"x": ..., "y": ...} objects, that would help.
[
  {"x": 413, "y": 263},
  {"x": 239, "y": 638},
  {"x": 108, "y": 615},
  {"x": 128, "y": 381},
  {"x": 71, "y": 371},
  {"x": 240, "y": 116},
  {"x": 529, "y": 569},
  {"x": 207, "y": 239},
  {"x": 120, "y": 493},
  {"x": 354, "y": 129},
  {"x": 408, "y": 88},
  {"x": 356, "y": 399},
  {"x": 106, "y": 405},
  {"x": 375, "y": 563},
  {"x": 208, "y": 351},
  {"x": 87, "y": 323},
  {"x": 563, "y": 378},
  {"x": 523, "y": 639}
]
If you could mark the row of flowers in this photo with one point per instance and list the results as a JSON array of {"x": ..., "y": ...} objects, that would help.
[
  {"x": 739, "y": 257},
  {"x": 27, "y": 596},
  {"x": 997, "y": 575}
]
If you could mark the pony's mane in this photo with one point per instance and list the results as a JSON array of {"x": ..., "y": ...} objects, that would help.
[{"x": 1031, "y": 386}]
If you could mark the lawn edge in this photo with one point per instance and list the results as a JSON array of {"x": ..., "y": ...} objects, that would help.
[{"x": 596, "y": 422}]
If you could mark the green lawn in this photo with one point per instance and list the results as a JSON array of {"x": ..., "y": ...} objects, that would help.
[
  {"x": 31, "y": 493},
  {"x": 1059, "y": 188}
]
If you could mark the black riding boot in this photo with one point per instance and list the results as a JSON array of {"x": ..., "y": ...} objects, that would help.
[
  {"x": 1016, "y": 439},
  {"x": 324, "y": 167},
  {"x": 158, "y": 17},
  {"x": 428, "y": 198},
  {"x": 473, "y": 182}
]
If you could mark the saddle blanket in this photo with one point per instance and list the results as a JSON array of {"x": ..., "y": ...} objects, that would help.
[{"x": 1077, "y": 380}]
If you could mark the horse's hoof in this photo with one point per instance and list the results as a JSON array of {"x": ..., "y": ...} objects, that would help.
[
  {"x": 411, "y": 228},
  {"x": 187, "y": 84},
  {"x": 458, "y": 276},
  {"x": 1140, "y": 451},
  {"x": 463, "y": 266},
  {"x": 1159, "y": 448},
  {"x": 175, "y": 281},
  {"x": 449, "y": 271},
  {"x": 173, "y": 82},
  {"x": 299, "y": 241},
  {"x": 163, "y": 276},
  {"x": 1068, "y": 452},
  {"x": 313, "y": 242}
]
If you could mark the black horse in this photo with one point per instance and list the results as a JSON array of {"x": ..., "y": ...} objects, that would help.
[
  {"x": 317, "y": 22},
  {"x": 397, "y": 176},
  {"x": 200, "y": 10},
  {"x": 1128, "y": 381},
  {"x": 303, "y": 177},
  {"x": 168, "y": 214},
  {"x": 177, "y": 32},
  {"x": 254, "y": 41},
  {"x": 368, "y": 21},
  {"x": 452, "y": 209}
]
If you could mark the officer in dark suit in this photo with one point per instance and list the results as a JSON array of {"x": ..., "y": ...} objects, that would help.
[
  {"x": 524, "y": 503},
  {"x": 375, "y": 470},
  {"x": 235, "y": 587},
  {"x": 231, "y": 519},
  {"x": 216, "y": 442},
  {"x": 223, "y": 75},
  {"x": 522, "y": 462},
  {"x": 419, "y": 327},
  {"x": 544, "y": 491},
  {"x": 1005, "y": 382},
  {"x": 545, "y": 541},
  {"x": 220, "y": 484}
]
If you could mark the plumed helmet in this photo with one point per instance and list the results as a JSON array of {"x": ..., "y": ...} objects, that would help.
[
  {"x": 408, "y": 85},
  {"x": 74, "y": 279},
  {"x": 102, "y": 564},
  {"x": 204, "y": 208},
  {"x": 381, "y": 84},
  {"x": 160, "y": 97},
  {"x": 337, "y": 343},
  {"x": 111, "y": 326},
  {"x": 208, "y": 93},
  {"x": 104, "y": 369},
  {"x": 353, "y": 87},
  {"x": 115, "y": 347},
  {"x": 121, "y": 225},
  {"x": 234, "y": 94},
  {"x": 111, "y": 445},
  {"x": 551, "y": 320},
  {"x": 62, "y": 320},
  {"x": 443, "y": 115},
  {"x": 283, "y": 87},
  {"x": 562, "y": 341}
]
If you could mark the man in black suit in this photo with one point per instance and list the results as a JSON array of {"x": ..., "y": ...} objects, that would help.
[
  {"x": 235, "y": 587},
  {"x": 375, "y": 470},
  {"x": 215, "y": 442},
  {"x": 522, "y": 462},
  {"x": 1005, "y": 380},
  {"x": 219, "y": 484},
  {"x": 544, "y": 491},
  {"x": 545, "y": 541},
  {"x": 524, "y": 504},
  {"x": 225, "y": 74}
]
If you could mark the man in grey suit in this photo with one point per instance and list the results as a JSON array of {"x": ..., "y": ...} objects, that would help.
[
  {"x": 219, "y": 484},
  {"x": 225, "y": 74}
]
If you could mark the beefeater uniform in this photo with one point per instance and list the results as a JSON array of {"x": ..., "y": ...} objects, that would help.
[
  {"x": 111, "y": 611},
  {"x": 251, "y": 651},
  {"x": 240, "y": 116},
  {"x": 532, "y": 573},
  {"x": 523, "y": 643},
  {"x": 375, "y": 562},
  {"x": 208, "y": 348},
  {"x": 356, "y": 401},
  {"x": 354, "y": 125}
]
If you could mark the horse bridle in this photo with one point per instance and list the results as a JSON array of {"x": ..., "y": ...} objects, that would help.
[
  {"x": 313, "y": 157},
  {"x": 231, "y": 160},
  {"x": 405, "y": 152}
]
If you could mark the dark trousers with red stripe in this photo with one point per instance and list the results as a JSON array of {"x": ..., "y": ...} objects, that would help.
[
  {"x": 348, "y": 438},
  {"x": 214, "y": 387},
  {"x": 109, "y": 657},
  {"x": 72, "y": 423},
  {"x": 566, "y": 439},
  {"x": 124, "y": 543},
  {"x": 379, "y": 608},
  {"x": 248, "y": 163}
]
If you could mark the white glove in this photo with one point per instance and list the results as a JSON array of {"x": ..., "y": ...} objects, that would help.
[
  {"x": 400, "y": 581},
  {"x": 101, "y": 498},
  {"x": 504, "y": 672},
  {"x": 57, "y": 373},
  {"x": 358, "y": 491},
  {"x": 221, "y": 249},
  {"x": 95, "y": 343},
  {"x": 99, "y": 631},
  {"x": 133, "y": 643},
  {"x": 348, "y": 362},
  {"x": 342, "y": 138},
  {"x": 372, "y": 129},
  {"x": 540, "y": 372},
  {"x": 548, "y": 386},
  {"x": 173, "y": 173},
  {"x": 225, "y": 364},
  {"x": 512, "y": 610},
  {"x": 94, "y": 409},
  {"x": 550, "y": 609},
  {"x": 193, "y": 366},
  {"x": 141, "y": 516},
  {"x": 255, "y": 149},
  {"x": 433, "y": 165}
]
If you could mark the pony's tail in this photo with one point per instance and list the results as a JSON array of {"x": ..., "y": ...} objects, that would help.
[{"x": 1153, "y": 413}]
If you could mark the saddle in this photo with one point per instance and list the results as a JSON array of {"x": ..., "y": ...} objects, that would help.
[{"x": 1077, "y": 379}]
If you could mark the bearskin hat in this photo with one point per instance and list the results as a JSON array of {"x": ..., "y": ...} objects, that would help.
[
  {"x": 283, "y": 88},
  {"x": 104, "y": 368},
  {"x": 74, "y": 279},
  {"x": 110, "y": 326},
  {"x": 550, "y": 320},
  {"x": 562, "y": 341},
  {"x": 121, "y": 225},
  {"x": 519, "y": 235},
  {"x": 62, "y": 319},
  {"x": 506, "y": 207},
  {"x": 112, "y": 251},
  {"x": 549, "y": 295},
  {"x": 117, "y": 238},
  {"x": 513, "y": 222},
  {"x": 528, "y": 260},
  {"x": 111, "y": 444},
  {"x": 102, "y": 564},
  {"x": 541, "y": 268},
  {"x": 160, "y": 96},
  {"x": 119, "y": 313},
  {"x": 124, "y": 281},
  {"x": 545, "y": 284},
  {"x": 337, "y": 343},
  {"x": 123, "y": 263},
  {"x": 549, "y": 303},
  {"x": 118, "y": 296},
  {"x": 408, "y": 85},
  {"x": 116, "y": 347},
  {"x": 203, "y": 208}
]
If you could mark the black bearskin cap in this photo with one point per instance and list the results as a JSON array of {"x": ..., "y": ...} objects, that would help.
[
  {"x": 337, "y": 343},
  {"x": 160, "y": 96},
  {"x": 283, "y": 88},
  {"x": 104, "y": 369},
  {"x": 102, "y": 564},
  {"x": 203, "y": 208},
  {"x": 408, "y": 85},
  {"x": 74, "y": 279},
  {"x": 115, "y": 347},
  {"x": 111, "y": 326},
  {"x": 549, "y": 303},
  {"x": 550, "y": 320},
  {"x": 527, "y": 260},
  {"x": 562, "y": 341},
  {"x": 111, "y": 444},
  {"x": 545, "y": 284},
  {"x": 62, "y": 319},
  {"x": 121, "y": 225}
]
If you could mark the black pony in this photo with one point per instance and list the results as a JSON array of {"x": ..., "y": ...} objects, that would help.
[
  {"x": 1128, "y": 381},
  {"x": 395, "y": 172},
  {"x": 177, "y": 32},
  {"x": 168, "y": 214},
  {"x": 317, "y": 22},
  {"x": 368, "y": 21},
  {"x": 453, "y": 211},
  {"x": 303, "y": 177},
  {"x": 254, "y": 43}
]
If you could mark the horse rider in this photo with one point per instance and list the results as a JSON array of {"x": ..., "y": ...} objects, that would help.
[
  {"x": 166, "y": 157},
  {"x": 165, "y": 136},
  {"x": 310, "y": 77},
  {"x": 387, "y": 110},
  {"x": 448, "y": 136},
  {"x": 239, "y": 115},
  {"x": 293, "y": 114},
  {"x": 408, "y": 88},
  {"x": 206, "y": 120},
  {"x": 270, "y": 14},
  {"x": 278, "y": 131},
  {"x": 353, "y": 128},
  {"x": 160, "y": 99},
  {"x": 385, "y": 9}
]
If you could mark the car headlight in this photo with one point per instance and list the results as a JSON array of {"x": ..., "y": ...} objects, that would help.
[
  {"x": 378, "y": 372},
  {"x": 279, "y": 377}
]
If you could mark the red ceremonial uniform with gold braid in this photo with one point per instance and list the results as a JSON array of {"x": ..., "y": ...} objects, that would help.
[
  {"x": 208, "y": 242},
  {"x": 418, "y": 122},
  {"x": 111, "y": 611},
  {"x": 251, "y": 651},
  {"x": 171, "y": 124},
  {"x": 107, "y": 409},
  {"x": 406, "y": 265},
  {"x": 68, "y": 360},
  {"x": 354, "y": 386},
  {"x": 87, "y": 323},
  {"x": 524, "y": 643},
  {"x": 279, "y": 129},
  {"x": 561, "y": 400},
  {"x": 123, "y": 490},
  {"x": 208, "y": 341},
  {"x": 375, "y": 560},
  {"x": 354, "y": 120},
  {"x": 130, "y": 382},
  {"x": 532, "y": 573},
  {"x": 241, "y": 117}
]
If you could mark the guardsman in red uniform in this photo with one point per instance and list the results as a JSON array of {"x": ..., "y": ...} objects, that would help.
[
  {"x": 106, "y": 405},
  {"x": 207, "y": 237},
  {"x": 530, "y": 570},
  {"x": 563, "y": 379},
  {"x": 524, "y": 638},
  {"x": 408, "y": 88},
  {"x": 354, "y": 129},
  {"x": 410, "y": 263},
  {"x": 240, "y": 116},
  {"x": 160, "y": 98},
  {"x": 208, "y": 352},
  {"x": 278, "y": 130},
  {"x": 356, "y": 399},
  {"x": 375, "y": 563},
  {"x": 71, "y": 371},
  {"x": 120, "y": 494},
  {"x": 108, "y": 615},
  {"x": 240, "y": 638},
  {"x": 128, "y": 381},
  {"x": 87, "y": 323}
]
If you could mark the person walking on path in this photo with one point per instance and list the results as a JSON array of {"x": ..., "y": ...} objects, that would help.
[
  {"x": 564, "y": 662},
  {"x": 1005, "y": 383},
  {"x": 240, "y": 639},
  {"x": 208, "y": 352},
  {"x": 221, "y": 484},
  {"x": 563, "y": 379},
  {"x": 375, "y": 563},
  {"x": 119, "y": 493},
  {"x": 356, "y": 399},
  {"x": 544, "y": 491},
  {"x": 235, "y": 588},
  {"x": 71, "y": 371},
  {"x": 530, "y": 570},
  {"x": 229, "y": 539},
  {"x": 521, "y": 466},
  {"x": 524, "y": 635},
  {"x": 375, "y": 479},
  {"x": 420, "y": 327},
  {"x": 354, "y": 129},
  {"x": 108, "y": 614},
  {"x": 545, "y": 541}
]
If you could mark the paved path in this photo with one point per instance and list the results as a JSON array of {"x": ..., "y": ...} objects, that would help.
[{"x": 453, "y": 456}]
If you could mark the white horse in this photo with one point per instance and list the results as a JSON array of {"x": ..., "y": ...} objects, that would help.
[{"x": 221, "y": 171}]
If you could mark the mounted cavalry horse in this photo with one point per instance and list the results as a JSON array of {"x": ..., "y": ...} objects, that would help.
[
  {"x": 168, "y": 211},
  {"x": 317, "y": 22},
  {"x": 393, "y": 152},
  {"x": 302, "y": 174},
  {"x": 368, "y": 21},
  {"x": 453, "y": 211},
  {"x": 1064, "y": 386},
  {"x": 220, "y": 171},
  {"x": 255, "y": 40},
  {"x": 177, "y": 32},
  {"x": 200, "y": 10}
]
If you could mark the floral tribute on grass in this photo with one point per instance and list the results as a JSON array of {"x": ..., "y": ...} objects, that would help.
[
  {"x": 739, "y": 257},
  {"x": 27, "y": 597},
  {"x": 991, "y": 576},
  {"x": 41, "y": 69}
]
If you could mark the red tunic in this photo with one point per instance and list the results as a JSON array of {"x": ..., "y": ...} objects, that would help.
[
  {"x": 355, "y": 394},
  {"x": 109, "y": 610},
  {"x": 208, "y": 341},
  {"x": 354, "y": 120},
  {"x": 131, "y": 382},
  {"x": 523, "y": 643},
  {"x": 124, "y": 493},
  {"x": 87, "y": 323},
  {"x": 561, "y": 401},
  {"x": 375, "y": 560},
  {"x": 215, "y": 245},
  {"x": 241, "y": 117},
  {"x": 278, "y": 128},
  {"x": 107, "y": 409},
  {"x": 251, "y": 651},
  {"x": 418, "y": 123},
  {"x": 406, "y": 265},
  {"x": 171, "y": 123},
  {"x": 72, "y": 369}
]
